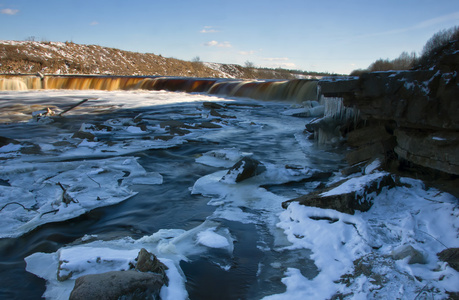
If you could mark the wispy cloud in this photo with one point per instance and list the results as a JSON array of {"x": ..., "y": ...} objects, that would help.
[
  {"x": 442, "y": 19},
  {"x": 208, "y": 29},
  {"x": 421, "y": 25},
  {"x": 9, "y": 11},
  {"x": 275, "y": 59},
  {"x": 94, "y": 23},
  {"x": 218, "y": 44}
]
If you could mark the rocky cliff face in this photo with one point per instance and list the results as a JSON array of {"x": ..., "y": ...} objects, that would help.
[
  {"x": 419, "y": 108},
  {"x": 408, "y": 118}
]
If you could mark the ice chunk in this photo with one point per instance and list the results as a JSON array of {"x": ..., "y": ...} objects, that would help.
[
  {"x": 210, "y": 238},
  {"x": 221, "y": 158}
]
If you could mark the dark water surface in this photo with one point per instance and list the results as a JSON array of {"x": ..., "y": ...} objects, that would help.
[{"x": 259, "y": 130}]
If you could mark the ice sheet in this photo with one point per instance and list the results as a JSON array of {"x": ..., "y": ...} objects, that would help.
[{"x": 35, "y": 192}]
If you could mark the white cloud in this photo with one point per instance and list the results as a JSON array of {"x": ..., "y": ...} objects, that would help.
[
  {"x": 208, "y": 29},
  {"x": 211, "y": 43},
  {"x": 283, "y": 65},
  {"x": 94, "y": 23},
  {"x": 218, "y": 44},
  {"x": 9, "y": 11},
  {"x": 275, "y": 59}
]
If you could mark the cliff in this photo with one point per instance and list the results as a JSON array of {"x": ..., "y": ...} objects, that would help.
[{"x": 408, "y": 119}]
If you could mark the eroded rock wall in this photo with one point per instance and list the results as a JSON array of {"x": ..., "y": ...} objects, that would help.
[
  {"x": 406, "y": 117},
  {"x": 419, "y": 108}
]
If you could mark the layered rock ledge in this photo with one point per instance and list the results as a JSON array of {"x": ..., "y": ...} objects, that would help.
[{"x": 409, "y": 119}]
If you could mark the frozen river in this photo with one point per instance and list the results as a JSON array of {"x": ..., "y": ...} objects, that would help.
[{"x": 148, "y": 169}]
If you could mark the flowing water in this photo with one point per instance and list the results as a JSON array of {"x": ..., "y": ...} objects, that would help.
[{"x": 257, "y": 263}]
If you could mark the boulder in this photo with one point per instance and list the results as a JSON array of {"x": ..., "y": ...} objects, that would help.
[
  {"x": 451, "y": 256},
  {"x": 148, "y": 262},
  {"x": 118, "y": 284},
  {"x": 245, "y": 168},
  {"x": 348, "y": 195}
]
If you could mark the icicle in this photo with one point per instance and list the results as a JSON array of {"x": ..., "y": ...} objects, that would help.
[{"x": 335, "y": 115}]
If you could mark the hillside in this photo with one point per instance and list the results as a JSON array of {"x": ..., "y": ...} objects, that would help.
[{"x": 70, "y": 58}]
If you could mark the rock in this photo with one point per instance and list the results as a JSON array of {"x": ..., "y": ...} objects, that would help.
[
  {"x": 212, "y": 105},
  {"x": 208, "y": 125},
  {"x": 416, "y": 257},
  {"x": 84, "y": 135},
  {"x": 437, "y": 150},
  {"x": 178, "y": 131},
  {"x": 176, "y": 127},
  {"x": 118, "y": 284},
  {"x": 5, "y": 141},
  {"x": 30, "y": 148},
  {"x": 419, "y": 107},
  {"x": 245, "y": 168},
  {"x": 175, "y": 124},
  {"x": 367, "y": 135},
  {"x": 379, "y": 149},
  {"x": 27, "y": 147},
  {"x": 148, "y": 262},
  {"x": 337, "y": 88},
  {"x": 347, "y": 195},
  {"x": 164, "y": 137},
  {"x": 451, "y": 256},
  {"x": 215, "y": 113}
]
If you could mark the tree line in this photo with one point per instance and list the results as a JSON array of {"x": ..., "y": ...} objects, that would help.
[{"x": 407, "y": 61}]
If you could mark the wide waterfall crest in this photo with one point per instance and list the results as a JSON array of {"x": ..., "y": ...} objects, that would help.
[{"x": 298, "y": 90}]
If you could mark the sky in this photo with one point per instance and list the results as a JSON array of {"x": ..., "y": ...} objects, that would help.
[{"x": 322, "y": 36}]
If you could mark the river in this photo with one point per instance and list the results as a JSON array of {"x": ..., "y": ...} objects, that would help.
[{"x": 149, "y": 169}]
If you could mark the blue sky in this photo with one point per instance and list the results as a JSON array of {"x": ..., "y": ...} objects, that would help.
[{"x": 322, "y": 35}]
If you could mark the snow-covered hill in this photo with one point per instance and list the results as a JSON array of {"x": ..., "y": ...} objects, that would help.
[{"x": 70, "y": 58}]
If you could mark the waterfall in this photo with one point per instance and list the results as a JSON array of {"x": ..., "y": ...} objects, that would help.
[
  {"x": 20, "y": 83},
  {"x": 91, "y": 82},
  {"x": 298, "y": 90},
  {"x": 12, "y": 84},
  {"x": 292, "y": 90},
  {"x": 176, "y": 84}
]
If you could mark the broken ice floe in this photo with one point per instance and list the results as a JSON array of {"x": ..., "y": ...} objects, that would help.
[
  {"x": 39, "y": 193},
  {"x": 61, "y": 268}
]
